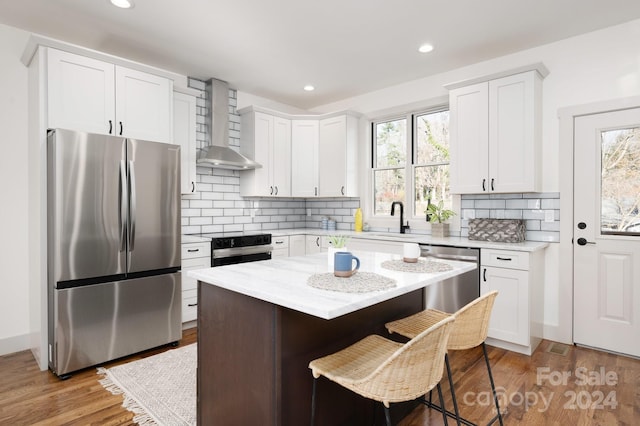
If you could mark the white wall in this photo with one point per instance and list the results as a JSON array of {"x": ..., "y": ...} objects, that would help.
[
  {"x": 597, "y": 66},
  {"x": 14, "y": 288}
]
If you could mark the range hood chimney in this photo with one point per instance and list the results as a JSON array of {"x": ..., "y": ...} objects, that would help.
[{"x": 218, "y": 154}]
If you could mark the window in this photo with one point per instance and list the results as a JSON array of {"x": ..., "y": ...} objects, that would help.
[{"x": 419, "y": 156}]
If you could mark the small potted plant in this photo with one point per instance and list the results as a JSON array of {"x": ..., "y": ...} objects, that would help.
[
  {"x": 437, "y": 215},
  {"x": 336, "y": 243}
]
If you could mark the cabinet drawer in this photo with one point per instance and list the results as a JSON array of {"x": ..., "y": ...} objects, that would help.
[
  {"x": 505, "y": 259},
  {"x": 189, "y": 283},
  {"x": 191, "y": 250},
  {"x": 280, "y": 242},
  {"x": 189, "y": 305},
  {"x": 283, "y": 252}
]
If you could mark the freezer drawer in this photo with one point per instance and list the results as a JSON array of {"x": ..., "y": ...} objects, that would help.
[{"x": 102, "y": 322}]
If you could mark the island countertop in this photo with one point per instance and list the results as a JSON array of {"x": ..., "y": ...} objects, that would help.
[{"x": 283, "y": 282}]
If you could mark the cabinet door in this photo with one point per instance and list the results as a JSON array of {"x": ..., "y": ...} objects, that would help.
[
  {"x": 313, "y": 244},
  {"x": 332, "y": 157},
  {"x": 469, "y": 139},
  {"x": 297, "y": 245},
  {"x": 143, "y": 105},
  {"x": 81, "y": 93},
  {"x": 184, "y": 134},
  {"x": 513, "y": 133},
  {"x": 281, "y": 157},
  {"x": 304, "y": 158},
  {"x": 510, "y": 315}
]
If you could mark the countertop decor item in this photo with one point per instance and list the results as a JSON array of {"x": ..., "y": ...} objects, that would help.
[
  {"x": 437, "y": 214},
  {"x": 362, "y": 282},
  {"x": 497, "y": 230},
  {"x": 422, "y": 265},
  {"x": 357, "y": 226},
  {"x": 160, "y": 389}
]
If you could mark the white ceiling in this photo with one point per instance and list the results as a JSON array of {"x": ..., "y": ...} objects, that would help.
[{"x": 272, "y": 48}]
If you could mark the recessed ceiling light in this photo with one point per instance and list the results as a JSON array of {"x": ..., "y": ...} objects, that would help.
[
  {"x": 124, "y": 4},
  {"x": 425, "y": 48},
  {"x": 309, "y": 88}
]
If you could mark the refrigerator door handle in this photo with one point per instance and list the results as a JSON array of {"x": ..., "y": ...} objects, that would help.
[
  {"x": 132, "y": 206},
  {"x": 123, "y": 200}
]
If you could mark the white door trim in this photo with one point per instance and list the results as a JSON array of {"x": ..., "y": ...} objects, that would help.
[{"x": 567, "y": 116}]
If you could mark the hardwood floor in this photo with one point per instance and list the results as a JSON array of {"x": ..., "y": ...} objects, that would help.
[{"x": 544, "y": 389}]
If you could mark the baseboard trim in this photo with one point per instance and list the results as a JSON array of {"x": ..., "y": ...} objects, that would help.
[{"x": 9, "y": 345}]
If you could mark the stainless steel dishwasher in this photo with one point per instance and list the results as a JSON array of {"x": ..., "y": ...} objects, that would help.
[{"x": 453, "y": 293}]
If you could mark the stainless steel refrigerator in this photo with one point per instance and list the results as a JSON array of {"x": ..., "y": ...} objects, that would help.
[{"x": 113, "y": 229}]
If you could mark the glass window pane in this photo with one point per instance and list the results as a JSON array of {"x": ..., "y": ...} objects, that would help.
[
  {"x": 391, "y": 141},
  {"x": 432, "y": 137},
  {"x": 620, "y": 184},
  {"x": 431, "y": 186},
  {"x": 388, "y": 187}
]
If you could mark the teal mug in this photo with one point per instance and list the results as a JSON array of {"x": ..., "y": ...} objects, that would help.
[{"x": 343, "y": 264}]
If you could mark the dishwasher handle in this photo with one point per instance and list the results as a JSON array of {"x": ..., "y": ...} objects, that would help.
[{"x": 459, "y": 257}]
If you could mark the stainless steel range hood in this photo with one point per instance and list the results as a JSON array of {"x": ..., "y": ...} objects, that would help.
[{"x": 219, "y": 155}]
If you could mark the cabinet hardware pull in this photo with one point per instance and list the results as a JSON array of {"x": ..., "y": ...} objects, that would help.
[
  {"x": 120, "y": 128},
  {"x": 342, "y": 190},
  {"x": 484, "y": 275},
  {"x": 492, "y": 179},
  {"x": 504, "y": 258},
  {"x": 483, "y": 184},
  {"x": 318, "y": 241},
  {"x": 279, "y": 242},
  {"x": 110, "y": 126},
  {"x": 276, "y": 190},
  {"x": 192, "y": 250},
  {"x": 192, "y": 305},
  {"x": 193, "y": 186},
  {"x": 316, "y": 190},
  {"x": 271, "y": 190}
]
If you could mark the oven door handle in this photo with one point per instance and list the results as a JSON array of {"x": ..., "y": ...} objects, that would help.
[{"x": 240, "y": 251}]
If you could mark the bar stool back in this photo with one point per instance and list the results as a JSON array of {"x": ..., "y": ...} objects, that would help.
[{"x": 387, "y": 371}]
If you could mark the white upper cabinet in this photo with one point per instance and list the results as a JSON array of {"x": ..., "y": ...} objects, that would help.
[
  {"x": 90, "y": 95},
  {"x": 143, "y": 105},
  {"x": 184, "y": 134},
  {"x": 304, "y": 158},
  {"x": 337, "y": 156},
  {"x": 495, "y": 135},
  {"x": 267, "y": 139},
  {"x": 81, "y": 93}
]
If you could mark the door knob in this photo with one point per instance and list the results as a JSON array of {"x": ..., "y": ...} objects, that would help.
[{"x": 584, "y": 242}]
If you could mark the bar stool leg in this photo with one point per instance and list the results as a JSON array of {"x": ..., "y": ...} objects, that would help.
[
  {"x": 313, "y": 402},
  {"x": 444, "y": 412},
  {"x": 493, "y": 387},
  {"x": 387, "y": 415},
  {"x": 453, "y": 392}
]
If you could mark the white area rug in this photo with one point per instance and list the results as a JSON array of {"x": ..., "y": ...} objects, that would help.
[{"x": 160, "y": 389}]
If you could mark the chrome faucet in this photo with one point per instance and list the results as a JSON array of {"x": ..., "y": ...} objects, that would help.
[{"x": 393, "y": 208}]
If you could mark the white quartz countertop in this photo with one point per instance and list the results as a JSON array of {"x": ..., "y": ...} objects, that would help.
[
  {"x": 529, "y": 246},
  {"x": 194, "y": 239},
  {"x": 283, "y": 281}
]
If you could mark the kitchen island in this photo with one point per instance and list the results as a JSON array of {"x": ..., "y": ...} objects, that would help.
[{"x": 260, "y": 323}]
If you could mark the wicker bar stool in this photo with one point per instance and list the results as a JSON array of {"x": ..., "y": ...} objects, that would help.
[
  {"x": 469, "y": 330},
  {"x": 387, "y": 371}
]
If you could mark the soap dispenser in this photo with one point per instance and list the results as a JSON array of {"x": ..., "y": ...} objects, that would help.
[{"x": 358, "y": 220}]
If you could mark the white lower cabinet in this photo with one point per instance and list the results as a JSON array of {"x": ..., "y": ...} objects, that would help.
[
  {"x": 517, "y": 315},
  {"x": 194, "y": 256},
  {"x": 297, "y": 245},
  {"x": 280, "y": 246},
  {"x": 316, "y": 244}
]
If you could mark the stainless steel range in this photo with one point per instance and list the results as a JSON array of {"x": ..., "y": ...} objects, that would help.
[{"x": 232, "y": 248}]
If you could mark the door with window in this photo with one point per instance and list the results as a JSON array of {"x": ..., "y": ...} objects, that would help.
[{"x": 606, "y": 277}]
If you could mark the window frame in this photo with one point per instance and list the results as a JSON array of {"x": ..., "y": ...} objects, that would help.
[{"x": 417, "y": 222}]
